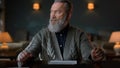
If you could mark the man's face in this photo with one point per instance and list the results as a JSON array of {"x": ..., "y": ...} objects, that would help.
[
  {"x": 58, "y": 11},
  {"x": 57, "y": 17}
]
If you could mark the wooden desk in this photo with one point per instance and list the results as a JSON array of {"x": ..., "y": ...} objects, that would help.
[
  {"x": 13, "y": 64},
  {"x": 109, "y": 63},
  {"x": 105, "y": 64}
]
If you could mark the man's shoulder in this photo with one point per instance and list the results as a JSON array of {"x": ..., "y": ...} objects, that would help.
[
  {"x": 77, "y": 29},
  {"x": 43, "y": 30}
]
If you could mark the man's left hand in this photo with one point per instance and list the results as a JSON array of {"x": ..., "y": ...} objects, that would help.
[{"x": 97, "y": 54}]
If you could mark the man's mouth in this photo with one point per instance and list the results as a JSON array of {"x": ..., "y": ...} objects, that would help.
[{"x": 53, "y": 20}]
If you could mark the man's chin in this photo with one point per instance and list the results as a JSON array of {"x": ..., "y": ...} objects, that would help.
[{"x": 53, "y": 29}]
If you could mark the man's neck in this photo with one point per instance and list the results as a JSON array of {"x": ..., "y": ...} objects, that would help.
[{"x": 64, "y": 29}]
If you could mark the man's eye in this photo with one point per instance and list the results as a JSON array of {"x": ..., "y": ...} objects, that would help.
[{"x": 58, "y": 12}]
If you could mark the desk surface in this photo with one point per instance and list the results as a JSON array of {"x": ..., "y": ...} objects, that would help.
[
  {"x": 106, "y": 64},
  {"x": 12, "y": 64},
  {"x": 59, "y": 66}
]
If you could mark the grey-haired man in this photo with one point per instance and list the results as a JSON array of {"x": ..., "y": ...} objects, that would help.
[{"x": 60, "y": 40}]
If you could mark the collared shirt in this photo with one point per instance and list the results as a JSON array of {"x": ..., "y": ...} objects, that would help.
[{"x": 61, "y": 37}]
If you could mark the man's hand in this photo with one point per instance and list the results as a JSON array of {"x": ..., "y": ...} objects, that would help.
[
  {"x": 97, "y": 54},
  {"x": 23, "y": 56}
]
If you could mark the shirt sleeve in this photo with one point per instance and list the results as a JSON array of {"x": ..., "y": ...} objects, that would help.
[
  {"x": 85, "y": 47},
  {"x": 34, "y": 46}
]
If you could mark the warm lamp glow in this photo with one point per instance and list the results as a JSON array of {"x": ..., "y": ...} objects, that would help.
[
  {"x": 90, "y": 6},
  {"x": 115, "y": 38},
  {"x": 36, "y": 6},
  {"x": 5, "y": 37}
]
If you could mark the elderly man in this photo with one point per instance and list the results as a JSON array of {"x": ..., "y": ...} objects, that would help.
[{"x": 60, "y": 40}]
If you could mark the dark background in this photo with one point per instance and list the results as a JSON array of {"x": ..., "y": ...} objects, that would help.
[{"x": 105, "y": 18}]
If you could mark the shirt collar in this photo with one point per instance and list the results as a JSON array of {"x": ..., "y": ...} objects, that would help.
[{"x": 63, "y": 30}]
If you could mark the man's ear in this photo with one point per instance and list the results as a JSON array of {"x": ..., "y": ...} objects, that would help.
[{"x": 69, "y": 14}]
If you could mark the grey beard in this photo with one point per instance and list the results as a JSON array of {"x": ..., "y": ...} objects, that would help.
[{"x": 58, "y": 26}]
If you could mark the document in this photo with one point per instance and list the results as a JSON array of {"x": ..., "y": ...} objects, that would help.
[{"x": 65, "y": 62}]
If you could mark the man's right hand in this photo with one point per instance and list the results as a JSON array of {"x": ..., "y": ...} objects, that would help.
[{"x": 23, "y": 56}]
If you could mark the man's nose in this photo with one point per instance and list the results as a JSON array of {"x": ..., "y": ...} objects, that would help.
[{"x": 53, "y": 16}]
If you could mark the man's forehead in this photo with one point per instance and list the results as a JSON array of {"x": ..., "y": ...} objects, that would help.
[
  {"x": 58, "y": 5},
  {"x": 62, "y": 0}
]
